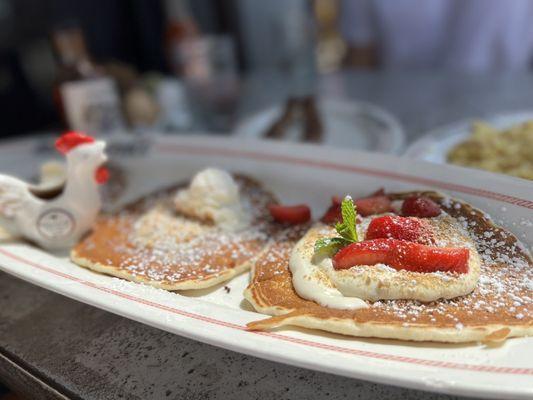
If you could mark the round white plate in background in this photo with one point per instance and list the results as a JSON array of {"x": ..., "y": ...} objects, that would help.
[
  {"x": 347, "y": 124},
  {"x": 435, "y": 144}
]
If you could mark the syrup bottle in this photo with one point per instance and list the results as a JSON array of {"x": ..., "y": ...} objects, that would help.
[
  {"x": 86, "y": 97},
  {"x": 180, "y": 27}
]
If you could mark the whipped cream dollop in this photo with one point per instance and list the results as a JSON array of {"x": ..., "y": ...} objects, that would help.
[{"x": 213, "y": 195}]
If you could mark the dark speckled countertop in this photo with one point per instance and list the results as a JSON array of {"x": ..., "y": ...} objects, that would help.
[
  {"x": 52, "y": 347},
  {"x": 85, "y": 353}
]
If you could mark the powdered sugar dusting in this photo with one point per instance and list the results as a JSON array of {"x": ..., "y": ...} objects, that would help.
[
  {"x": 153, "y": 243},
  {"x": 504, "y": 286}
]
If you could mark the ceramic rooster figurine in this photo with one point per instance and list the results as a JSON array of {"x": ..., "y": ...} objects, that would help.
[{"x": 56, "y": 218}]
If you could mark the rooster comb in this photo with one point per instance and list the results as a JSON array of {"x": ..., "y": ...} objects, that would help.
[{"x": 70, "y": 140}]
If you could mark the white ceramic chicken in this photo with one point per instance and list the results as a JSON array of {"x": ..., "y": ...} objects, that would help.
[{"x": 56, "y": 218}]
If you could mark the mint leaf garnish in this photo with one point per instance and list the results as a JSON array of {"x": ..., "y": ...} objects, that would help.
[
  {"x": 330, "y": 246},
  {"x": 346, "y": 229}
]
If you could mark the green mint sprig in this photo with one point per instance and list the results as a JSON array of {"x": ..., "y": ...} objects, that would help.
[{"x": 346, "y": 229}]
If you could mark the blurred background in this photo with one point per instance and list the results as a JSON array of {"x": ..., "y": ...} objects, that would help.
[
  {"x": 262, "y": 68},
  {"x": 179, "y": 64}
]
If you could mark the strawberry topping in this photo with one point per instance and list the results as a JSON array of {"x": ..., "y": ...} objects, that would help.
[
  {"x": 377, "y": 203},
  {"x": 402, "y": 228},
  {"x": 333, "y": 214},
  {"x": 297, "y": 214},
  {"x": 420, "y": 206},
  {"x": 373, "y": 205},
  {"x": 403, "y": 255},
  {"x": 336, "y": 200},
  {"x": 69, "y": 140},
  {"x": 379, "y": 192}
]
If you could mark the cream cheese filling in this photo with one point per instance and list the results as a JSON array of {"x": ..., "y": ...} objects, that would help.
[
  {"x": 312, "y": 283},
  {"x": 310, "y": 279}
]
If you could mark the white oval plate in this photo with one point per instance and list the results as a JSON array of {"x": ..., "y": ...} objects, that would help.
[
  {"x": 435, "y": 144},
  {"x": 295, "y": 172},
  {"x": 347, "y": 124}
]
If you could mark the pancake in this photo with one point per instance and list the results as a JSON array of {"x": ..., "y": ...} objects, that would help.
[
  {"x": 500, "y": 306},
  {"x": 149, "y": 242}
]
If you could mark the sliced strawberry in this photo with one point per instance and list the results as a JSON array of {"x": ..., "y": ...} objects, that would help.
[
  {"x": 379, "y": 192},
  {"x": 420, "y": 206},
  {"x": 362, "y": 253},
  {"x": 420, "y": 258},
  {"x": 336, "y": 200},
  {"x": 334, "y": 212},
  {"x": 376, "y": 203},
  {"x": 373, "y": 205},
  {"x": 402, "y": 228},
  {"x": 402, "y": 255},
  {"x": 290, "y": 214},
  {"x": 332, "y": 215}
]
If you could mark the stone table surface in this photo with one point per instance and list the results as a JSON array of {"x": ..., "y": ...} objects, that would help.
[{"x": 53, "y": 347}]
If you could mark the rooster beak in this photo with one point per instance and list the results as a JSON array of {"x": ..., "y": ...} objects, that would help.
[{"x": 101, "y": 145}]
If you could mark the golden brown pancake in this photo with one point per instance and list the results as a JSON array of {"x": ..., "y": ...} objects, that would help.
[
  {"x": 500, "y": 306},
  {"x": 150, "y": 242}
]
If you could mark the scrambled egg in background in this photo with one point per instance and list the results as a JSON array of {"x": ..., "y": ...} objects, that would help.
[{"x": 509, "y": 151}]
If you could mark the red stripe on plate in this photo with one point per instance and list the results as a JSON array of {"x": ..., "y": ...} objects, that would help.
[
  {"x": 188, "y": 150},
  {"x": 304, "y": 342}
]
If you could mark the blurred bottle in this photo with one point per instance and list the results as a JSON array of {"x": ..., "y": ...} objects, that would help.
[
  {"x": 211, "y": 79},
  {"x": 86, "y": 97},
  {"x": 331, "y": 47},
  {"x": 297, "y": 38},
  {"x": 181, "y": 26},
  {"x": 170, "y": 92},
  {"x": 176, "y": 114}
]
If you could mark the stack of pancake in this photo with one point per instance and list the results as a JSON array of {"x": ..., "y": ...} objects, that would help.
[{"x": 150, "y": 242}]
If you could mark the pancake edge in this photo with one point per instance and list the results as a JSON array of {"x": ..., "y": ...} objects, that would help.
[
  {"x": 188, "y": 284},
  {"x": 284, "y": 317}
]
